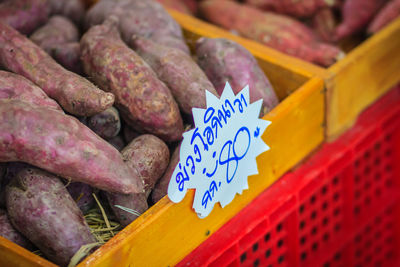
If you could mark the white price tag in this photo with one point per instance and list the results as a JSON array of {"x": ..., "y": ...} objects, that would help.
[{"x": 218, "y": 155}]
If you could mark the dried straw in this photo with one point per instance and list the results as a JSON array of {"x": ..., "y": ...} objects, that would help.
[{"x": 102, "y": 228}]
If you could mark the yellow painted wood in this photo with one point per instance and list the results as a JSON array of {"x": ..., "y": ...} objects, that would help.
[
  {"x": 168, "y": 232},
  {"x": 362, "y": 77},
  {"x": 14, "y": 255}
]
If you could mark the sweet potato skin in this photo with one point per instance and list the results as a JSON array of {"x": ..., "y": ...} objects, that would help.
[
  {"x": 144, "y": 102},
  {"x": 74, "y": 93},
  {"x": 68, "y": 55},
  {"x": 137, "y": 202},
  {"x": 149, "y": 156},
  {"x": 62, "y": 145},
  {"x": 9, "y": 232},
  {"x": 81, "y": 193},
  {"x": 147, "y": 19},
  {"x": 161, "y": 187},
  {"x": 24, "y": 15},
  {"x": 98, "y": 13},
  {"x": 277, "y": 31},
  {"x": 106, "y": 124},
  {"x": 151, "y": 20},
  {"x": 175, "y": 5},
  {"x": 388, "y": 13},
  {"x": 170, "y": 41},
  {"x": 40, "y": 207},
  {"x": 73, "y": 9},
  {"x": 300, "y": 8},
  {"x": 58, "y": 30},
  {"x": 191, "y": 4},
  {"x": 17, "y": 87},
  {"x": 324, "y": 24},
  {"x": 224, "y": 60},
  {"x": 356, "y": 15},
  {"x": 178, "y": 71}
]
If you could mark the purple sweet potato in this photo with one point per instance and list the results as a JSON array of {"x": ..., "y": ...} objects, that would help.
[
  {"x": 117, "y": 142},
  {"x": 58, "y": 30},
  {"x": 170, "y": 41},
  {"x": 144, "y": 102},
  {"x": 387, "y": 14},
  {"x": 17, "y": 87},
  {"x": 100, "y": 11},
  {"x": 136, "y": 202},
  {"x": 298, "y": 8},
  {"x": 74, "y": 93},
  {"x": 106, "y": 124},
  {"x": 9, "y": 232},
  {"x": 129, "y": 134},
  {"x": 149, "y": 156},
  {"x": 68, "y": 55},
  {"x": 24, "y": 15},
  {"x": 81, "y": 193},
  {"x": 277, "y": 31},
  {"x": 176, "y": 5},
  {"x": 73, "y": 9},
  {"x": 191, "y": 4},
  {"x": 40, "y": 207},
  {"x": 324, "y": 24},
  {"x": 161, "y": 187},
  {"x": 178, "y": 71},
  {"x": 64, "y": 146},
  {"x": 224, "y": 60},
  {"x": 356, "y": 15},
  {"x": 147, "y": 19}
]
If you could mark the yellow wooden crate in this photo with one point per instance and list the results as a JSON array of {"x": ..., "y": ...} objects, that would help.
[
  {"x": 358, "y": 80},
  {"x": 167, "y": 232},
  {"x": 364, "y": 75}
]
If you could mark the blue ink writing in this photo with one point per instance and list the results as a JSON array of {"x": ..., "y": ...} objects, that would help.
[
  {"x": 180, "y": 178},
  {"x": 231, "y": 156},
  {"x": 209, "y": 194}
]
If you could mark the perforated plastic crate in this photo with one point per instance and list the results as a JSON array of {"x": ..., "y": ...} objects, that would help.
[{"x": 341, "y": 208}]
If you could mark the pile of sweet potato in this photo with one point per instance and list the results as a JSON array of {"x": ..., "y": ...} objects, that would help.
[
  {"x": 94, "y": 103},
  {"x": 312, "y": 30}
]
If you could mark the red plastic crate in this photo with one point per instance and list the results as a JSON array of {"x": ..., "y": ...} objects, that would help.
[{"x": 341, "y": 208}]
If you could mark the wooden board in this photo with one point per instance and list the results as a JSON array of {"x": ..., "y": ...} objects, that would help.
[
  {"x": 14, "y": 255},
  {"x": 363, "y": 76}
]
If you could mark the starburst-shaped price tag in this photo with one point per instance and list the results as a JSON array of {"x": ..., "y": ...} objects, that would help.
[{"x": 218, "y": 155}]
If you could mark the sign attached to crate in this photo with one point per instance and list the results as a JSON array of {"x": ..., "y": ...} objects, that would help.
[{"x": 218, "y": 155}]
